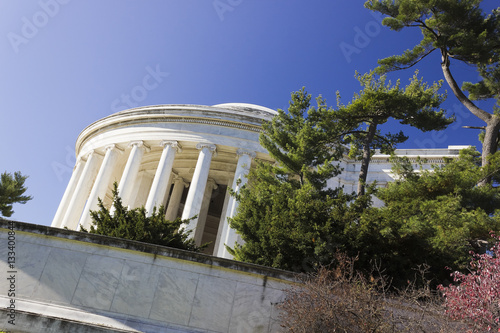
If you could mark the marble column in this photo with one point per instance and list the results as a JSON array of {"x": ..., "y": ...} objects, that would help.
[
  {"x": 175, "y": 198},
  {"x": 196, "y": 191},
  {"x": 140, "y": 193},
  {"x": 227, "y": 199},
  {"x": 68, "y": 193},
  {"x": 158, "y": 189},
  {"x": 82, "y": 189},
  {"x": 126, "y": 186},
  {"x": 228, "y": 235},
  {"x": 101, "y": 184},
  {"x": 202, "y": 217}
]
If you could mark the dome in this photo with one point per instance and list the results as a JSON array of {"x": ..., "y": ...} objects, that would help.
[{"x": 245, "y": 107}]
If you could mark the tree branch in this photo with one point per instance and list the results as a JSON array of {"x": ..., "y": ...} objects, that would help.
[
  {"x": 475, "y": 127},
  {"x": 415, "y": 61},
  {"x": 423, "y": 25},
  {"x": 365, "y": 132},
  {"x": 478, "y": 112}
]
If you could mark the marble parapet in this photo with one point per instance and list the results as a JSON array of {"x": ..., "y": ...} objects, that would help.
[{"x": 88, "y": 281}]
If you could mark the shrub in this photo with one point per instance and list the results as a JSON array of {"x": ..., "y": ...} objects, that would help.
[
  {"x": 343, "y": 300},
  {"x": 135, "y": 224},
  {"x": 475, "y": 297}
]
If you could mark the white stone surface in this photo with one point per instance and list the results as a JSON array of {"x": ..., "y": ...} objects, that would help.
[
  {"x": 136, "y": 289},
  {"x": 68, "y": 193},
  {"x": 145, "y": 176},
  {"x": 256, "y": 297},
  {"x": 128, "y": 180},
  {"x": 196, "y": 192},
  {"x": 68, "y": 275},
  {"x": 98, "y": 282},
  {"x": 174, "y": 296},
  {"x": 202, "y": 215},
  {"x": 162, "y": 176},
  {"x": 60, "y": 276},
  {"x": 82, "y": 189},
  {"x": 103, "y": 179},
  {"x": 229, "y": 236},
  {"x": 211, "y": 291},
  {"x": 175, "y": 199}
]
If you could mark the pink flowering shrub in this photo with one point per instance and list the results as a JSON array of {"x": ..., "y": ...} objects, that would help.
[{"x": 475, "y": 298}]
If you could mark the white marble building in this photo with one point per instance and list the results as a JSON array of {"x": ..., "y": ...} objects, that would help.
[
  {"x": 379, "y": 170},
  {"x": 185, "y": 157}
]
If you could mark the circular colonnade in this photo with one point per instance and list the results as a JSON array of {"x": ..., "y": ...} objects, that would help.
[{"x": 184, "y": 157}]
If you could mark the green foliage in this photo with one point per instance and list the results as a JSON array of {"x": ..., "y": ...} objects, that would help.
[
  {"x": 303, "y": 140},
  {"x": 287, "y": 225},
  {"x": 459, "y": 29},
  {"x": 11, "y": 191},
  {"x": 286, "y": 216},
  {"x": 289, "y": 219},
  {"x": 134, "y": 224},
  {"x": 458, "y": 177},
  {"x": 488, "y": 87},
  {"x": 417, "y": 105},
  {"x": 435, "y": 217}
]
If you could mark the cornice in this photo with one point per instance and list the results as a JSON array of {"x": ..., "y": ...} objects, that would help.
[
  {"x": 423, "y": 158},
  {"x": 193, "y": 114}
]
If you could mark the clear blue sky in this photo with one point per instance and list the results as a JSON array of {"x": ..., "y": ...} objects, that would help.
[{"x": 66, "y": 64}]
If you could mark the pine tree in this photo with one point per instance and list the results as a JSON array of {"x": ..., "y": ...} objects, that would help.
[
  {"x": 287, "y": 216},
  {"x": 416, "y": 105},
  {"x": 434, "y": 217},
  {"x": 11, "y": 191},
  {"x": 459, "y": 31},
  {"x": 134, "y": 224}
]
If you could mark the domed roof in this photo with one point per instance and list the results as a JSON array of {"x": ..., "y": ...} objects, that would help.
[{"x": 245, "y": 107}]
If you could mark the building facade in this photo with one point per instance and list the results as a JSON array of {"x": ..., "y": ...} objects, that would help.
[{"x": 186, "y": 157}]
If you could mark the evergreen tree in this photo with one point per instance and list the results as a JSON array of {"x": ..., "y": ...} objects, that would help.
[
  {"x": 134, "y": 224},
  {"x": 459, "y": 31},
  {"x": 11, "y": 191},
  {"x": 416, "y": 105},
  {"x": 433, "y": 216},
  {"x": 287, "y": 217},
  {"x": 304, "y": 140}
]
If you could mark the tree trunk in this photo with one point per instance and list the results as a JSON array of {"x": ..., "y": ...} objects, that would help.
[
  {"x": 363, "y": 172},
  {"x": 490, "y": 143}
]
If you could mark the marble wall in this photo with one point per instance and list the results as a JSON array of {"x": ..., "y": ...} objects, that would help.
[{"x": 116, "y": 285}]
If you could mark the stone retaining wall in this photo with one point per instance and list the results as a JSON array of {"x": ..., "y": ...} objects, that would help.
[{"x": 76, "y": 282}]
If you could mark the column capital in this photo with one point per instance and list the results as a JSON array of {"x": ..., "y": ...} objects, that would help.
[
  {"x": 211, "y": 147},
  {"x": 96, "y": 152},
  {"x": 85, "y": 157},
  {"x": 211, "y": 183},
  {"x": 113, "y": 146},
  {"x": 139, "y": 144},
  {"x": 178, "y": 179},
  {"x": 174, "y": 144},
  {"x": 241, "y": 151}
]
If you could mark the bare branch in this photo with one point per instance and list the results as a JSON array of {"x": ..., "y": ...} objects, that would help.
[{"x": 475, "y": 127}]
